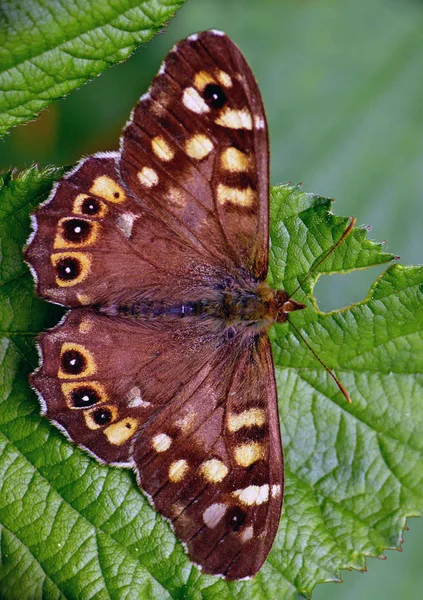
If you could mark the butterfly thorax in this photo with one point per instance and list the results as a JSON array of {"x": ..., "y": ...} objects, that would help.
[{"x": 250, "y": 305}]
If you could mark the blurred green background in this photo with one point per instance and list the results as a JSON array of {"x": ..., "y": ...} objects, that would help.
[{"x": 342, "y": 83}]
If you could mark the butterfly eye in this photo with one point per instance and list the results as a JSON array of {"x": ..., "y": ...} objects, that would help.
[
  {"x": 85, "y": 204},
  {"x": 76, "y": 230},
  {"x": 76, "y": 361},
  {"x": 68, "y": 268},
  {"x": 214, "y": 95},
  {"x": 85, "y": 396},
  {"x": 91, "y": 206},
  {"x": 102, "y": 416},
  {"x": 236, "y": 517},
  {"x": 73, "y": 362}
]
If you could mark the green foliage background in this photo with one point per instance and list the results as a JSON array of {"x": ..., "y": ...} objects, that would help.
[{"x": 343, "y": 90}]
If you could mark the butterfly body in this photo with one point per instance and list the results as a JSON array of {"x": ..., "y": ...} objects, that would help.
[
  {"x": 163, "y": 364},
  {"x": 252, "y": 307}
]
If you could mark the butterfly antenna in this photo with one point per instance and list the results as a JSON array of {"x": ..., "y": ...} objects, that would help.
[
  {"x": 348, "y": 230},
  {"x": 331, "y": 373}
]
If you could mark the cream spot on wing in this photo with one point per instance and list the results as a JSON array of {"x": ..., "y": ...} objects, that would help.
[
  {"x": 85, "y": 326},
  {"x": 249, "y": 453},
  {"x": 247, "y": 534},
  {"x": 202, "y": 79},
  {"x": 107, "y": 188},
  {"x": 125, "y": 223},
  {"x": 134, "y": 399},
  {"x": 176, "y": 197},
  {"x": 199, "y": 146},
  {"x": 234, "y": 160},
  {"x": 248, "y": 418},
  {"x": 259, "y": 122},
  {"x": 186, "y": 423},
  {"x": 157, "y": 108},
  {"x": 214, "y": 470},
  {"x": 177, "y": 508},
  {"x": 121, "y": 432},
  {"x": 148, "y": 177},
  {"x": 253, "y": 494},
  {"x": 224, "y": 79},
  {"x": 162, "y": 149},
  {"x": 235, "y": 118},
  {"x": 83, "y": 299},
  {"x": 177, "y": 470},
  {"x": 194, "y": 102},
  {"x": 160, "y": 103},
  {"x": 276, "y": 491},
  {"x": 241, "y": 197},
  {"x": 161, "y": 442},
  {"x": 213, "y": 514}
]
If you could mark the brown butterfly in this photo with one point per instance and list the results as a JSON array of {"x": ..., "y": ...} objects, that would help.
[{"x": 164, "y": 363}]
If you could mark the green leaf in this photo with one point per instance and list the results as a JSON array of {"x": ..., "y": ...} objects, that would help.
[
  {"x": 71, "y": 528},
  {"x": 49, "y": 48},
  {"x": 354, "y": 472}
]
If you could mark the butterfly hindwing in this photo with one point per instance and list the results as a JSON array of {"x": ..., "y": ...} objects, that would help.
[
  {"x": 94, "y": 364},
  {"x": 216, "y": 472}
]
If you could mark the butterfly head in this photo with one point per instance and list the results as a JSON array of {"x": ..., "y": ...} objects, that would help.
[
  {"x": 277, "y": 304},
  {"x": 285, "y": 305}
]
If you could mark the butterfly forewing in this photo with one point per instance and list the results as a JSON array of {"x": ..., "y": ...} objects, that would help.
[
  {"x": 94, "y": 243},
  {"x": 196, "y": 151},
  {"x": 165, "y": 364}
]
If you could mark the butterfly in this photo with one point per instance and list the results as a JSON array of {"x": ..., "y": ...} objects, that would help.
[{"x": 163, "y": 363}]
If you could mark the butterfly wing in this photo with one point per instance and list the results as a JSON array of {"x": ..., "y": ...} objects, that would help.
[
  {"x": 185, "y": 203},
  {"x": 192, "y": 411},
  {"x": 98, "y": 372},
  {"x": 220, "y": 481},
  {"x": 196, "y": 151},
  {"x": 95, "y": 244}
]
